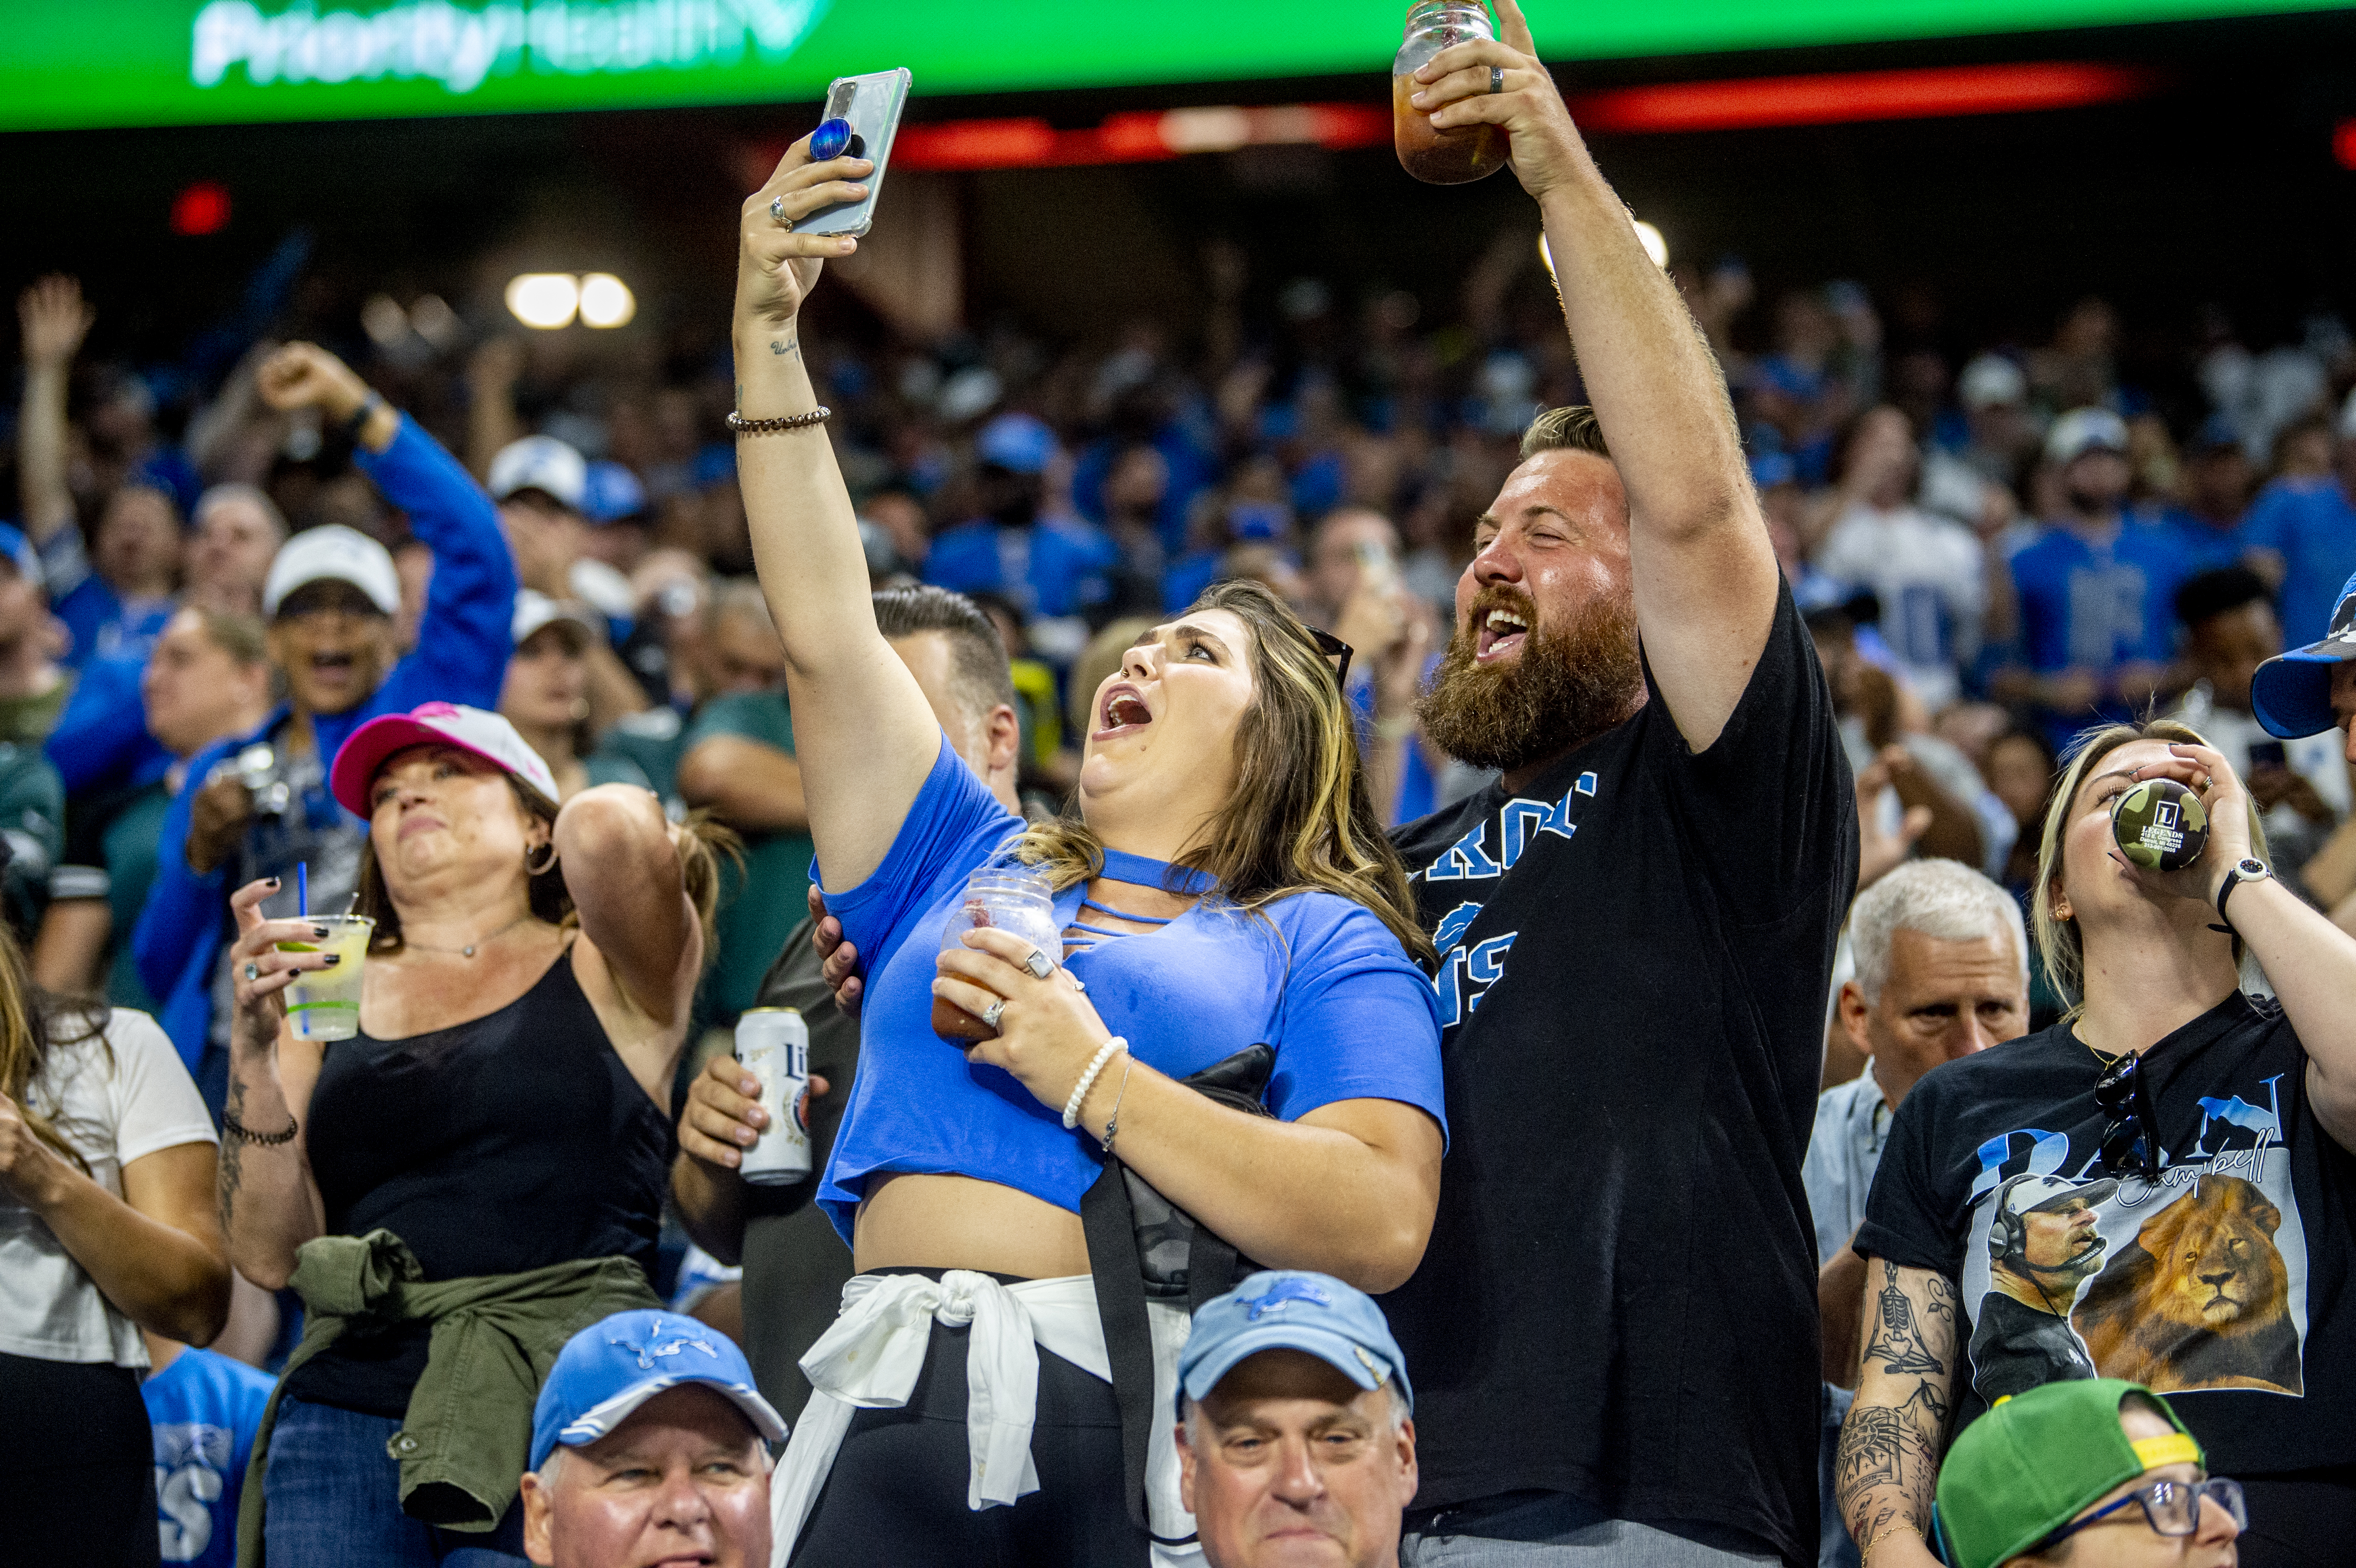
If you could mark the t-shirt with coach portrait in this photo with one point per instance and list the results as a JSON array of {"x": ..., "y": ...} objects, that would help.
[
  {"x": 2225, "y": 1285},
  {"x": 1619, "y": 1299}
]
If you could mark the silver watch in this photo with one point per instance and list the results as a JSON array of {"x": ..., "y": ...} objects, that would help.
[{"x": 2246, "y": 869}]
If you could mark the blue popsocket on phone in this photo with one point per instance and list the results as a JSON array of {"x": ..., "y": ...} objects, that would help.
[{"x": 830, "y": 139}]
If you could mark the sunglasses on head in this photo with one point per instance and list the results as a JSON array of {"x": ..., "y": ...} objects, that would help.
[
  {"x": 1334, "y": 648},
  {"x": 2128, "y": 1145}
]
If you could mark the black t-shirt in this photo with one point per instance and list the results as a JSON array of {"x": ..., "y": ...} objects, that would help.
[
  {"x": 1619, "y": 1299},
  {"x": 510, "y": 1142},
  {"x": 2225, "y": 1285}
]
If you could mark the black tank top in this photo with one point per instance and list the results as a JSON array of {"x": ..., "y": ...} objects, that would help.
[{"x": 509, "y": 1143}]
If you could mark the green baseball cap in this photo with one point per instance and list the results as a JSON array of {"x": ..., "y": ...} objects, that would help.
[{"x": 2029, "y": 1465}]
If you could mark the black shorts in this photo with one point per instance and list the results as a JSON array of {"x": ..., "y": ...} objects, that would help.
[
  {"x": 897, "y": 1491},
  {"x": 77, "y": 1465}
]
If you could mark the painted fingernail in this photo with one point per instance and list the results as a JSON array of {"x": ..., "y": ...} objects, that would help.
[
  {"x": 272, "y": 882},
  {"x": 332, "y": 960},
  {"x": 319, "y": 931}
]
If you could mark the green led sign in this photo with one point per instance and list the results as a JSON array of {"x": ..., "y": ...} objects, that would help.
[{"x": 163, "y": 62}]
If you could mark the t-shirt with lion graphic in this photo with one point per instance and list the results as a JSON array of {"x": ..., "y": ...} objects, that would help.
[{"x": 2225, "y": 1283}]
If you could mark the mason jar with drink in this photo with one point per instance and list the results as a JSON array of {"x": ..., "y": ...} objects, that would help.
[
  {"x": 1462, "y": 154},
  {"x": 1018, "y": 899}
]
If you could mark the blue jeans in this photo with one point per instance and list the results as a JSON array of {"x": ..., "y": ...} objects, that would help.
[{"x": 334, "y": 1498}]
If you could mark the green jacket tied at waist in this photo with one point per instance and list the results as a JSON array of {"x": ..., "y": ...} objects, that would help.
[{"x": 467, "y": 1434}]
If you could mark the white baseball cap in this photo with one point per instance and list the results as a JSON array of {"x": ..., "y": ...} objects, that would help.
[
  {"x": 1990, "y": 380},
  {"x": 2082, "y": 431},
  {"x": 333, "y": 552},
  {"x": 535, "y": 611},
  {"x": 486, "y": 734},
  {"x": 541, "y": 462}
]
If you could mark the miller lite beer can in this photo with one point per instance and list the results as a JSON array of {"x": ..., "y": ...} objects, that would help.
[{"x": 773, "y": 1045}]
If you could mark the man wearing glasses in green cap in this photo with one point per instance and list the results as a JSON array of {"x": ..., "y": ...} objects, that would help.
[{"x": 2094, "y": 1474}]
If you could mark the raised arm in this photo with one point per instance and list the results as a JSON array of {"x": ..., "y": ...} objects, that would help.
[
  {"x": 55, "y": 321},
  {"x": 1888, "y": 1464},
  {"x": 623, "y": 871},
  {"x": 863, "y": 734},
  {"x": 270, "y": 1204},
  {"x": 1705, "y": 572}
]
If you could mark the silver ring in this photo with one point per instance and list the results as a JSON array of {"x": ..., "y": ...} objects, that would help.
[
  {"x": 1497, "y": 79},
  {"x": 253, "y": 972},
  {"x": 990, "y": 1014},
  {"x": 777, "y": 211},
  {"x": 1039, "y": 964}
]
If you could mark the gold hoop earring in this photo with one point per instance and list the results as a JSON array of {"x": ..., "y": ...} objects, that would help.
[{"x": 544, "y": 867}]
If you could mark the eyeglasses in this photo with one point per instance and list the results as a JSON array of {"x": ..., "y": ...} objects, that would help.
[
  {"x": 2172, "y": 1508},
  {"x": 1331, "y": 647},
  {"x": 2127, "y": 1142}
]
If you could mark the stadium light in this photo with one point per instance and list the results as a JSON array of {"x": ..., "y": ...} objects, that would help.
[
  {"x": 605, "y": 301},
  {"x": 543, "y": 300}
]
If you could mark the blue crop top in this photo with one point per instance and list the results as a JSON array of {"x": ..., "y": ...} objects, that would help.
[{"x": 1330, "y": 988}]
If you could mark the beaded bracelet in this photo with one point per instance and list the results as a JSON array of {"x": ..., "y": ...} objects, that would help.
[
  {"x": 744, "y": 426},
  {"x": 1087, "y": 1080}
]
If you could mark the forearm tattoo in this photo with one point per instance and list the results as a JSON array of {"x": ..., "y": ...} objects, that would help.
[
  {"x": 232, "y": 1152},
  {"x": 1886, "y": 1468}
]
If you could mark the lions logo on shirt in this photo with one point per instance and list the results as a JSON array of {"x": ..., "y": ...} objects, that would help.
[
  {"x": 1465, "y": 973},
  {"x": 191, "y": 1460}
]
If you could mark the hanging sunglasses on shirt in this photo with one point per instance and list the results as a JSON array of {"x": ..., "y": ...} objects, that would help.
[
  {"x": 2128, "y": 1145},
  {"x": 1331, "y": 647}
]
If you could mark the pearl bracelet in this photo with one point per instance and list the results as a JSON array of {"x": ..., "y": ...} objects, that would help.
[{"x": 1087, "y": 1080}]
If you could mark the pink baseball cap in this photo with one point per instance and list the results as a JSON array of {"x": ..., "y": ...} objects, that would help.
[{"x": 486, "y": 735}]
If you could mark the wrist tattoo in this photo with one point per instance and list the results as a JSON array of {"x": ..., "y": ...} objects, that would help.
[{"x": 781, "y": 346}]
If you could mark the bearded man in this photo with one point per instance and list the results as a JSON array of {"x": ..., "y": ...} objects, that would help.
[{"x": 1614, "y": 1326}]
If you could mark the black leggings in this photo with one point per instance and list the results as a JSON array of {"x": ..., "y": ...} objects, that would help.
[
  {"x": 77, "y": 1465},
  {"x": 896, "y": 1493}
]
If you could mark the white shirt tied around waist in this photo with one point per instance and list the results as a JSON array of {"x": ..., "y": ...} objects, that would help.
[{"x": 870, "y": 1358}]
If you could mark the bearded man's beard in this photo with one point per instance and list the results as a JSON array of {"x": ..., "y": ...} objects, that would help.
[{"x": 1568, "y": 685}]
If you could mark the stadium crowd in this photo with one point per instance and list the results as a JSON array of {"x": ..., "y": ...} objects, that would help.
[{"x": 257, "y": 624}]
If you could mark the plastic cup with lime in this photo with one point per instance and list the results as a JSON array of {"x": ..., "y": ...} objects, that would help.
[{"x": 325, "y": 1004}]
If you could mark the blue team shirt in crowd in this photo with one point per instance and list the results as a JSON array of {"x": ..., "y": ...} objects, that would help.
[
  {"x": 2203, "y": 545},
  {"x": 205, "y": 1410},
  {"x": 2095, "y": 605},
  {"x": 1316, "y": 975},
  {"x": 2308, "y": 522},
  {"x": 1055, "y": 566}
]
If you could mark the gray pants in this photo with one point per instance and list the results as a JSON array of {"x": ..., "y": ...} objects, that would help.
[{"x": 1554, "y": 1531}]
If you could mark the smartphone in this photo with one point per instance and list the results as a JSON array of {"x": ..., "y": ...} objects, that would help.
[
  {"x": 2269, "y": 755},
  {"x": 1377, "y": 573},
  {"x": 872, "y": 105}
]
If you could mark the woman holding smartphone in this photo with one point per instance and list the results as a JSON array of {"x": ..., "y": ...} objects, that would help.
[{"x": 1225, "y": 883}]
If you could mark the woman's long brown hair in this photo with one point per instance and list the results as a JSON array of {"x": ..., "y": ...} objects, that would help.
[
  {"x": 1301, "y": 819},
  {"x": 32, "y": 1024}
]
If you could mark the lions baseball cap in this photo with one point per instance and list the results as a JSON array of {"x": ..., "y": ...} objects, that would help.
[
  {"x": 1290, "y": 1309},
  {"x": 2291, "y": 693},
  {"x": 2029, "y": 1466},
  {"x": 486, "y": 735},
  {"x": 2082, "y": 431},
  {"x": 535, "y": 611},
  {"x": 541, "y": 462},
  {"x": 609, "y": 1369},
  {"x": 333, "y": 552},
  {"x": 22, "y": 555}
]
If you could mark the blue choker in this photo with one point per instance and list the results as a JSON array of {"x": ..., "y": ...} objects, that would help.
[{"x": 1147, "y": 872}]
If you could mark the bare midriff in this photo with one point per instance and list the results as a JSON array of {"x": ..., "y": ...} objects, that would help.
[{"x": 961, "y": 1222}]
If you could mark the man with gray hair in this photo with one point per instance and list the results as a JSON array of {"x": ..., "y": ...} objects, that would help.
[{"x": 1941, "y": 972}]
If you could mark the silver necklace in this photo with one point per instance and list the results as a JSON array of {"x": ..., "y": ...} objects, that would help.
[{"x": 469, "y": 950}]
